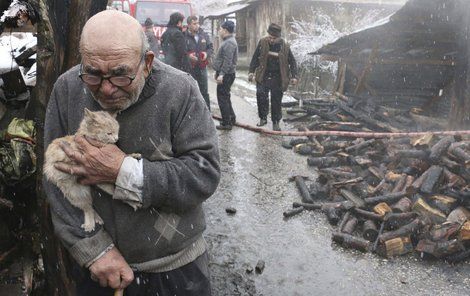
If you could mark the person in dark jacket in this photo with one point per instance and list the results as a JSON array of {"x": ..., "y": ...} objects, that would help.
[
  {"x": 273, "y": 67},
  {"x": 200, "y": 48},
  {"x": 225, "y": 64},
  {"x": 174, "y": 45},
  {"x": 152, "y": 39}
]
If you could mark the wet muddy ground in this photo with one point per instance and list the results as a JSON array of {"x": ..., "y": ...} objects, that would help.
[{"x": 299, "y": 256}]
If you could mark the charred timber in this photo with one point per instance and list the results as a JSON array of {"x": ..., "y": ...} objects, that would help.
[
  {"x": 406, "y": 230},
  {"x": 333, "y": 215},
  {"x": 368, "y": 215},
  {"x": 357, "y": 201},
  {"x": 323, "y": 162},
  {"x": 343, "y": 221},
  {"x": 303, "y": 189},
  {"x": 439, "y": 148},
  {"x": 412, "y": 153},
  {"x": 369, "y": 230},
  {"x": 432, "y": 179},
  {"x": 293, "y": 212},
  {"x": 388, "y": 198},
  {"x": 349, "y": 241},
  {"x": 402, "y": 206}
]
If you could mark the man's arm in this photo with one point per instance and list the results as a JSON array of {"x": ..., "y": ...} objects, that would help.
[
  {"x": 189, "y": 178},
  {"x": 209, "y": 46},
  {"x": 227, "y": 62},
  {"x": 255, "y": 59}
]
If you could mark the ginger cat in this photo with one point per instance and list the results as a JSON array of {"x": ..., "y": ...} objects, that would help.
[{"x": 100, "y": 126}]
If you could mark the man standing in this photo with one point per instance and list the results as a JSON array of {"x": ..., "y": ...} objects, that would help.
[
  {"x": 151, "y": 38},
  {"x": 199, "y": 47},
  {"x": 153, "y": 220},
  {"x": 273, "y": 67},
  {"x": 225, "y": 64},
  {"x": 173, "y": 43}
]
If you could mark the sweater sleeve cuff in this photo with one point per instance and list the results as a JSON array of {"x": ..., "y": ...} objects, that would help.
[{"x": 87, "y": 249}]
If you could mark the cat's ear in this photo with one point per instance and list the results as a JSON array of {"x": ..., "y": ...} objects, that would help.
[{"x": 89, "y": 113}]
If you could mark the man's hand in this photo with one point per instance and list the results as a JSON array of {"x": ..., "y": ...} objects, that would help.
[
  {"x": 220, "y": 79},
  {"x": 95, "y": 163},
  {"x": 193, "y": 57},
  {"x": 203, "y": 56},
  {"x": 112, "y": 270},
  {"x": 251, "y": 77},
  {"x": 293, "y": 81}
]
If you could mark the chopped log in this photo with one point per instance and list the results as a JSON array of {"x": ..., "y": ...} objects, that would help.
[
  {"x": 382, "y": 209},
  {"x": 381, "y": 186},
  {"x": 402, "y": 206},
  {"x": 369, "y": 230},
  {"x": 319, "y": 191},
  {"x": 333, "y": 214},
  {"x": 303, "y": 189},
  {"x": 443, "y": 203},
  {"x": 349, "y": 241},
  {"x": 400, "y": 184},
  {"x": 439, "y": 148},
  {"x": 347, "y": 182},
  {"x": 307, "y": 206},
  {"x": 444, "y": 231},
  {"x": 456, "y": 151},
  {"x": 376, "y": 172},
  {"x": 430, "y": 183},
  {"x": 423, "y": 208},
  {"x": 452, "y": 165},
  {"x": 358, "y": 202},
  {"x": 406, "y": 230},
  {"x": 464, "y": 234},
  {"x": 396, "y": 247},
  {"x": 408, "y": 183},
  {"x": 439, "y": 249},
  {"x": 350, "y": 225},
  {"x": 452, "y": 179},
  {"x": 419, "y": 182},
  {"x": 322, "y": 162},
  {"x": 368, "y": 215},
  {"x": 323, "y": 115},
  {"x": 358, "y": 147},
  {"x": 459, "y": 215},
  {"x": 259, "y": 268},
  {"x": 366, "y": 118},
  {"x": 293, "y": 212},
  {"x": 335, "y": 145},
  {"x": 388, "y": 198},
  {"x": 397, "y": 220},
  {"x": 338, "y": 173},
  {"x": 306, "y": 149},
  {"x": 413, "y": 153},
  {"x": 343, "y": 221},
  {"x": 361, "y": 189}
]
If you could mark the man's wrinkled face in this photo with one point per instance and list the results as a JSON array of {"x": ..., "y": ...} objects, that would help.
[
  {"x": 193, "y": 26},
  {"x": 115, "y": 63}
]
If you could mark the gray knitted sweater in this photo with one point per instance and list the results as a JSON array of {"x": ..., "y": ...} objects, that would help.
[{"x": 171, "y": 127}]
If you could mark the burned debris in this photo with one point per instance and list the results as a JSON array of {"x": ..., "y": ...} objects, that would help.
[{"x": 388, "y": 196}]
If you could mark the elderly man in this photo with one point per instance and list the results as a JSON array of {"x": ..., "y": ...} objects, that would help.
[
  {"x": 273, "y": 67},
  {"x": 162, "y": 115}
]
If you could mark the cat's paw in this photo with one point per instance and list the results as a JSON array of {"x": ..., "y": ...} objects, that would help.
[
  {"x": 98, "y": 220},
  {"x": 88, "y": 227},
  {"x": 137, "y": 156}
]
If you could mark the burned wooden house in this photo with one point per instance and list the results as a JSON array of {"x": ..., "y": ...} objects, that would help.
[
  {"x": 416, "y": 58},
  {"x": 254, "y": 16}
]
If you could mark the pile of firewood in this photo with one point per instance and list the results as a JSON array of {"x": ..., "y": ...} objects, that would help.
[{"x": 392, "y": 196}]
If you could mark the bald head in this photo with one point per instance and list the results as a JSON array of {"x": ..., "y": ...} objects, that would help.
[{"x": 111, "y": 30}]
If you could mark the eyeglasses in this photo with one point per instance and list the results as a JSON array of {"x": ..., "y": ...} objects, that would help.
[{"x": 118, "y": 80}]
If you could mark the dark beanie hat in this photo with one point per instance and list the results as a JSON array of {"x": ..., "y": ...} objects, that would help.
[
  {"x": 275, "y": 30},
  {"x": 148, "y": 22},
  {"x": 229, "y": 26}
]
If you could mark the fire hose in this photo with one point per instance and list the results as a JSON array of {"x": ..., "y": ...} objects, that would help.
[{"x": 375, "y": 135}]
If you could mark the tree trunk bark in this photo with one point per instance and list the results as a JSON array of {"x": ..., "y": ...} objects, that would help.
[{"x": 58, "y": 37}]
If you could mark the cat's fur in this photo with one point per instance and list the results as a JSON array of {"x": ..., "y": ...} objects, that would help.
[{"x": 100, "y": 126}]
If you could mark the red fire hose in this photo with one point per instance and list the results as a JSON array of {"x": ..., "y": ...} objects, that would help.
[{"x": 375, "y": 135}]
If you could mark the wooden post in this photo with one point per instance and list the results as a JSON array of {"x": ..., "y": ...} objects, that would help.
[{"x": 58, "y": 36}]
